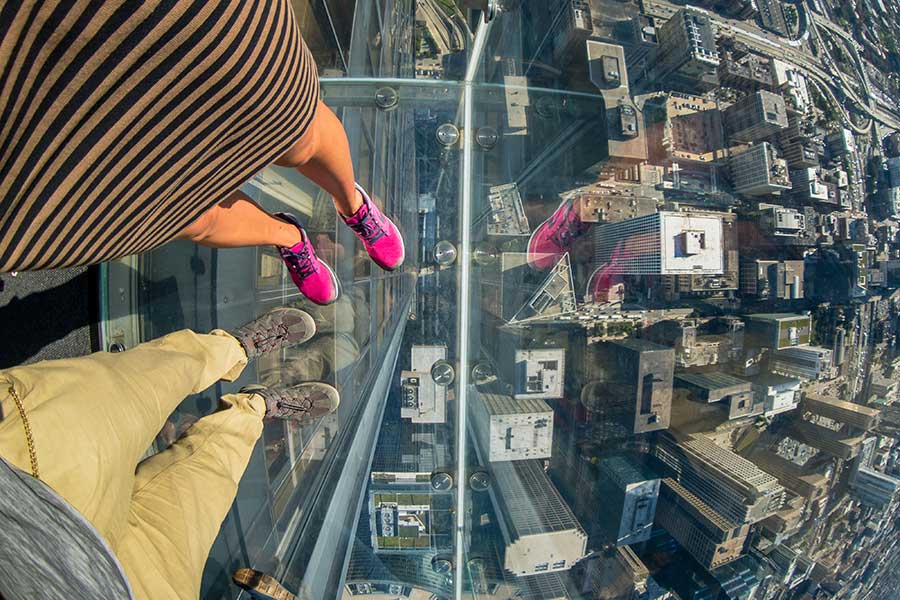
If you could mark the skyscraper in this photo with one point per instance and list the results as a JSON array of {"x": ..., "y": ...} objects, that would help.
[
  {"x": 687, "y": 55},
  {"x": 755, "y": 116},
  {"x": 509, "y": 429},
  {"x": 758, "y": 170},
  {"x": 772, "y": 279},
  {"x": 707, "y": 536},
  {"x": 541, "y": 533},
  {"x": 662, "y": 243},
  {"x": 733, "y": 486},
  {"x": 630, "y": 384}
]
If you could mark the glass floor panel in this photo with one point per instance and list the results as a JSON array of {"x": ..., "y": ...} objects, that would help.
[{"x": 643, "y": 344}]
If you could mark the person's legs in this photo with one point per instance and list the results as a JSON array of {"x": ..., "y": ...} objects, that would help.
[
  {"x": 238, "y": 222},
  {"x": 92, "y": 418},
  {"x": 323, "y": 156},
  {"x": 182, "y": 495}
]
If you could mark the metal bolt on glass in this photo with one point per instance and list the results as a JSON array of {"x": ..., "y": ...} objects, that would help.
[
  {"x": 444, "y": 253},
  {"x": 447, "y": 134},
  {"x": 441, "y": 481},
  {"x": 480, "y": 481},
  {"x": 443, "y": 373},
  {"x": 486, "y": 137},
  {"x": 386, "y": 98}
]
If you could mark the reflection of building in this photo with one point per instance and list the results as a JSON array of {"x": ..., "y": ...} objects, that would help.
[
  {"x": 510, "y": 429},
  {"x": 687, "y": 57},
  {"x": 631, "y": 384},
  {"x": 758, "y": 170},
  {"x": 663, "y": 243},
  {"x": 540, "y": 373},
  {"x": 806, "y": 362},
  {"x": 778, "y": 330},
  {"x": 541, "y": 533},
  {"x": 736, "y": 488},
  {"x": 708, "y": 537},
  {"x": 755, "y": 116},
  {"x": 772, "y": 279}
]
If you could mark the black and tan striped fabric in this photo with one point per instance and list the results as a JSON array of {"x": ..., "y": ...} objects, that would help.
[{"x": 122, "y": 121}]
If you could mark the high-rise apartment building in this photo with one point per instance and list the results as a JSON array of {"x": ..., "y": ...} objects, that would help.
[
  {"x": 759, "y": 171},
  {"x": 710, "y": 538},
  {"x": 541, "y": 533},
  {"x": 631, "y": 384},
  {"x": 736, "y": 488},
  {"x": 662, "y": 243},
  {"x": 687, "y": 56},
  {"x": 755, "y": 116},
  {"x": 509, "y": 429}
]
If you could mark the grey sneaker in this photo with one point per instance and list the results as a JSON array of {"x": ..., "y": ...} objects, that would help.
[
  {"x": 303, "y": 402},
  {"x": 279, "y": 327},
  {"x": 261, "y": 585}
]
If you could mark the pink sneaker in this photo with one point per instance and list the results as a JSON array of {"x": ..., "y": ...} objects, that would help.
[
  {"x": 555, "y": 236},
  {"x": 378, "y": 234},
  {"x": 313, "y": 278}
]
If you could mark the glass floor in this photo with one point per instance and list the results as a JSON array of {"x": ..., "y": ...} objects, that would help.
[{"x": 625, "y": 358}]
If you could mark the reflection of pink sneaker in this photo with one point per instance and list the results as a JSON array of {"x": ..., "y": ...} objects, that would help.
[
  {"x": 378, "y": 234},
  {"x": 555, "y": 236},
  {"x": 313, "y": 278}
]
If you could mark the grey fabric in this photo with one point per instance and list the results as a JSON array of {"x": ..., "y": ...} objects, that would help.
[{"x": 48, "y": 550}]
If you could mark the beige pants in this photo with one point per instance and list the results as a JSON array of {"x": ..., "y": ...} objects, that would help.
[{"x": 94, "y": 417}]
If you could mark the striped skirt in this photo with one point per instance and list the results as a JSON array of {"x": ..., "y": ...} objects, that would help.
[{"x": 121, "y": 122}]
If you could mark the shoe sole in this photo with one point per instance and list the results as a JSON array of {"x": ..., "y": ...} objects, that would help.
[
  {"x": 261, "y": 585},
  {"x": 334, "y": 280}
]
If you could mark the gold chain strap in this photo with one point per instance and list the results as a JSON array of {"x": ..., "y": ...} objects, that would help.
[{"x": 29, "y": 439}]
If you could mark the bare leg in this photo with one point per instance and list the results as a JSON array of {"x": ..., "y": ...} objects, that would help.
[
  {"x": 238, "y": 222},
  {"x": 323, "y": 156}
]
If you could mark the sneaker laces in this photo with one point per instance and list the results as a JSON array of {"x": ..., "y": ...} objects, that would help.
[
  {"x": 300, "y": 261},
  {"x": 270, "y": 338},
  {"x": 368, "y": 227}
]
